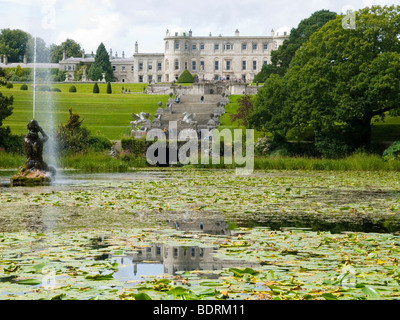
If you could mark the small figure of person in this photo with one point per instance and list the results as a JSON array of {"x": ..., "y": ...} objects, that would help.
[{"x": 202, "y": 99}]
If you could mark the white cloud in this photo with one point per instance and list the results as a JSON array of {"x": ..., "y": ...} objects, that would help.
[{"x": 119, "y": 23}]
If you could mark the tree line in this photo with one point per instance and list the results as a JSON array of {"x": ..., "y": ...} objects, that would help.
[
  {"x": 331, "y": 83},
  {"x": 17, "y": 43}
]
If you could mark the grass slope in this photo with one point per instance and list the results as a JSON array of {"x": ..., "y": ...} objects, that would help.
[{"x": 109, "y": 115}]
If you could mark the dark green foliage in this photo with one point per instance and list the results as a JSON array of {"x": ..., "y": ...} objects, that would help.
[
  {"x": 102, "y": 64},
  {"x": 6, "y": 108},
  {"x": 42, "y": 75},
  {"x": 332, "y": 145},
  {"x": 96, "y": 88},
  {"x": 393, "y": 152},
  {"x": 99, "y": 143},
  {"x": 265, "y": 72},
  {"x": 74, "y": 138},
  {"x": 9, "y": 85},
  {"x": 55, "y": 90},
  {"x": 72, "y": 89},
  {"x": 335, "y": 88},
  {"x": 134, "y": 146},
  {"x": 24, "y": 87},
  {"x": 72, "y": 48},
  {"x": 14, "y": 44},
  {"x": 95, "y": 72},
  {"x": 186, "y": 77},
  {"x": 109, "y": 89},
  {"x": 281, "y": 58},
  {"x": 8, "y": 141}
]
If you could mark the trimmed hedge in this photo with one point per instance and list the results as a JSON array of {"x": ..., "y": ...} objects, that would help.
[{"x": 186, "y": 77}]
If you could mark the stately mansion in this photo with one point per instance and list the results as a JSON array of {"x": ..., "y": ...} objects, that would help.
[{"x": 235, "y": 57}]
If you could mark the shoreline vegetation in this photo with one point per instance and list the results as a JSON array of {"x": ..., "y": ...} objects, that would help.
[{"x": 103, "y": 163}]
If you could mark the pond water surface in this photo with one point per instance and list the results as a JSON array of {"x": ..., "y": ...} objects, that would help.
[{"x": 122, "y": 232}]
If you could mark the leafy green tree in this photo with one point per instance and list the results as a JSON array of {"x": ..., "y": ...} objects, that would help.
[
  {"x": 186, "y": 77},
  {"x": 42, "y": 52},
  {"x": 281, "y": 58},
  {"x": 71, "y": 47},
  {"x": 95, "y": 72},
  {"x": 102, "y": 64},
  {"x": 338, "y": 81},
  {"x": 5, "y": 111},
  {"x": 14, "y": 44}
]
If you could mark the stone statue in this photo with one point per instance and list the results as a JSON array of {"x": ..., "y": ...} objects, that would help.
[
  {"x": 34, "y": 147},
  {"x": 140, "y": 119},
  {"x": 189, "y": 118},
  {"x": 35, "y": 171}
]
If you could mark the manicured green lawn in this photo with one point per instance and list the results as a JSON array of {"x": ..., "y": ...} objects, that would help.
[{"x": 109, "y": 115}]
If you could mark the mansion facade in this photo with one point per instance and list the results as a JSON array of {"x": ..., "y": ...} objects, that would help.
[{"x": 237, "y": 58}]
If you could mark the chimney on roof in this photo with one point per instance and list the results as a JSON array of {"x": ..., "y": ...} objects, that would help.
[
  {"x": 111, "y": 54},
  {"x": 190, "y": 33},
  {"x": 136, "y": 48},
  {"x": 5, "y": 59},
  {"x": 123, "y": 54},
  {"x": 273, "y": 33},
  {"x": 64, "y": 54},
  {"x": 83, "y": 54},
  {"x": 25, "y": 59},
  {"x": 237, "y": 33}
]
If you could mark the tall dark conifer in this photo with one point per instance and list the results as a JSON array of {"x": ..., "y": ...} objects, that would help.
[{"x": 102, "y": 64}]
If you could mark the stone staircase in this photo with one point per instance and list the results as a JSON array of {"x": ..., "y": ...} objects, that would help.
[
  {"x": 207, "y": 114},
  {"x": 191, "y": 104}
]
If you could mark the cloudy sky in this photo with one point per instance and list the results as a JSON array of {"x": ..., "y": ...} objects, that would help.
[{"x": 120, "y": 23}]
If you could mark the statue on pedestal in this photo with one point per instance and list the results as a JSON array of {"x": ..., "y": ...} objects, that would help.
[{"x": 35, "y": 171}]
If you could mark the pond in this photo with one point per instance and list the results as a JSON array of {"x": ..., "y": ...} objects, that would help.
[{"x": 201, "y": 234}]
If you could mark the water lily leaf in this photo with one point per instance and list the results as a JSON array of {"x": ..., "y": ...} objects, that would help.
[
  {"x": 178, "y": 291},
  {"x": 203, "y": 292},
  {"x": 371, "y": 293},
  {"x": 329, "y": 296},
  {"x": 99, "y": 277},
  {"x": 210, "y": 284},
  {"x": 142, "y": 297},
  {"x": 29, "y": 282}
]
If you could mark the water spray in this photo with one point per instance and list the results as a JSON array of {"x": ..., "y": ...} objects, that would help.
[{"x": 34, "y": 77}]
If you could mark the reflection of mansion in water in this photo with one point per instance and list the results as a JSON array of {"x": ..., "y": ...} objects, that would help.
[
  {"x": 210, "y": 57},
  {"x": 188, "y": 258},
  {"x": 184, "y": 258}
]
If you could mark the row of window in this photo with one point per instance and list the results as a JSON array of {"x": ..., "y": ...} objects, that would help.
[
  {"x": 150, "y": 66},
  {"x": 216, "y": 77},
  {"x": 228, "y": 46},
  {"x": 123, "y": 68},
  {"x": 227, "y": 65}
]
